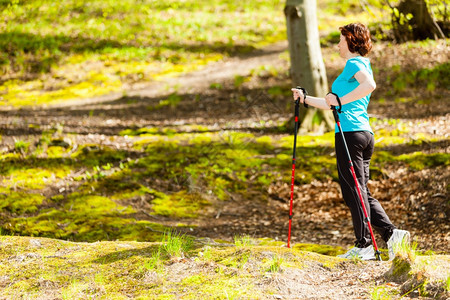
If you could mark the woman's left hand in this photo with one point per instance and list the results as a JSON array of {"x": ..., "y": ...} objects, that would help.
[
  {"x": 331, "y": 100},
  {"x": 298, "y": 95}
]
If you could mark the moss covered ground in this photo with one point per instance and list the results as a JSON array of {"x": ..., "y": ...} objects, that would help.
[
  {"x": 114, "y": 270},
  {"x": 254, "y": 269}
]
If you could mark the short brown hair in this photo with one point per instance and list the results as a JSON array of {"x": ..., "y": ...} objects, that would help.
[{"x": 358, "y": 38}]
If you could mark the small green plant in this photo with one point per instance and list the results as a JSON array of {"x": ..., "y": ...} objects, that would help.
[
  {"x": 380, "y": 293},
  {"x": 239, "y": 81},
  {"x": 242, "y": 241},
  {"x": 155, "y": 263},
  {"x": 447, "y": 284},
  {"x": 265, "y": 71},
  {"x": 275, "y": 264},
  {"x": 206, "y": 253},
  {"x": 176, "y": 244},
  {"x": 242, "y": 258},
  {"x": 21, "y": 146},
  {"x": 356, "y": 259},
  {"x": 99, "y": 279},
  {"x": 216, "y": 86},
  {"x": 98, "y": 173},
  {"x": 406, "y": 250},
  {"x": 421, "y": 288},
  {"x": 172, "y": 101},
  {"x": 428, "y": 252}
]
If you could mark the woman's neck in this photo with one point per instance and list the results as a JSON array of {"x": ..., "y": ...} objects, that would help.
[{"x": 351, "y": 55}]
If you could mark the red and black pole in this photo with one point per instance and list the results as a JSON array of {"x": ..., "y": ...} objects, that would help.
[
  {"x": 296, "y": 113},
  {"x": 352, "y": 170}
]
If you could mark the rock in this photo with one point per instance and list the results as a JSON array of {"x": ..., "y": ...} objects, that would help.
[
  {"x": 35, "y": 243},
  {"x": 399, "y": 271},
  {"x": 91, "y": 148},
  {"x": 4, "y": 279},
  {"x": 33, "y": 255},
  {"x": 65, "y": 143},
  {"x": 269, "y": 254}
]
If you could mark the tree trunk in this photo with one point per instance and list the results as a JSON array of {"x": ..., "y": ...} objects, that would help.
[
  {"x": 307, "y": 67},
  {"x": 411, "y": 20}
]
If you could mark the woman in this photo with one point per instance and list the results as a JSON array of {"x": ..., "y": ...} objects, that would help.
[{"x": 354, "y": 87}]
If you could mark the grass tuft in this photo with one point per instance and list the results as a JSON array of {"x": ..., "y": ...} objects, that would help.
[
  {"x": 243, "y": 241},
  {"x": 176, "y": 244},
  {"x": 275, "y": 264}
]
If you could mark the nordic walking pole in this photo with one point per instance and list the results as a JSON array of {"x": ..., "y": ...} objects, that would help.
[
  {"x": 352, "y": 169},
  {"x": 296, "y": 113}
]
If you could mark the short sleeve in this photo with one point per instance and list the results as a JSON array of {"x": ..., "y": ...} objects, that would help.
[{"x": 351, "y": 68}]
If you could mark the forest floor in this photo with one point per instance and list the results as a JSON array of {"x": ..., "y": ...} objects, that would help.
[
  {"x": 319, "y": 208},
  {"x": 415, "y": 200}
]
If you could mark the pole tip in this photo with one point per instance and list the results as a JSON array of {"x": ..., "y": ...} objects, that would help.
[{"x": 378, "y": 255}]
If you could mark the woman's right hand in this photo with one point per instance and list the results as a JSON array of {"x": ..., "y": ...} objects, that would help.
[{"x": 298, "y": 94}]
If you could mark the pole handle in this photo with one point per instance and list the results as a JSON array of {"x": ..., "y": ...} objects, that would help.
[
  {"x": 296, "y": 110},
  {"x": 334, "y": 109},
  {"x": 338, "y": 100},
  {"x": 305, "y": 92}
]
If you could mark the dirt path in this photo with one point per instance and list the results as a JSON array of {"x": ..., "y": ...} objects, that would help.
[{"x": 189, "y": 83}]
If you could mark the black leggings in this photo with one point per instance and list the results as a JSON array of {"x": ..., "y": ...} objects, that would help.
[{"x": 360, "y": 145}]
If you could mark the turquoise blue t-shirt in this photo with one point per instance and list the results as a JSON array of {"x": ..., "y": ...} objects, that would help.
[{"x": 354, "y": 115}]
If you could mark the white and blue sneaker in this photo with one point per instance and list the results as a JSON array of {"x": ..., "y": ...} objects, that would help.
[
  {"x": 359, "y": 253},
  {"x": 397, "y": 239}
]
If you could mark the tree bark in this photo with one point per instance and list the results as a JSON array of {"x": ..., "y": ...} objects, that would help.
[
  {"x": 307, "y": 67},
  {"x": 412, "y": 21}
]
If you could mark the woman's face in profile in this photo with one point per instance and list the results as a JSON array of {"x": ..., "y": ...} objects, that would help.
[{"x": 343, "y": 47}]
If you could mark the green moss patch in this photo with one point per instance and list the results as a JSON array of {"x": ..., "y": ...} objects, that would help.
[
  {"x": 419, "y": 160},
  {"x": 86, "y": 218},
  {"x": 321, "y": 249},
  {"x": 19, "y": 202},
  {"x": 95, "y": 155},
  {"x": 431, "y": 78},
  {"x": 234, "y": 162},
  {"x": 34, "y": 178},
  {"x": 179, "y": 205},
  {"x": 415, "y": 160}
]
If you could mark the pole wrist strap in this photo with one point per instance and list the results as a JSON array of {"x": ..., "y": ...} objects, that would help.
[{"x": 304, "y": 94}]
